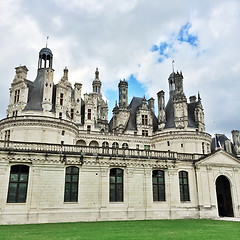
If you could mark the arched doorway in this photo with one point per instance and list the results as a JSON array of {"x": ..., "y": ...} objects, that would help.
[{"x": 224, "y": 197}]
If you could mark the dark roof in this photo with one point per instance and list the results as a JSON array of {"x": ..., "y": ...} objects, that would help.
[
  {"x": 133, "y": 106},
  {"x": 35, "y": 94},
  {"x": 170, "y": 114},
  {"x": 45, "y": 51}
]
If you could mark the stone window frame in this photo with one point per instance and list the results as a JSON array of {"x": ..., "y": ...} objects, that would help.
[
  {"x": 61, "y": 99},
  {"x": 18, "y": 184},
  {"x": 71, "y": 184},
  {"x": 158, "y": 185},
  {"x": 184, "y": 186},
  {"x": 16, "y": 95},
  {"x": 116, "y": 185},
  {"x": 144, "y": 119}
]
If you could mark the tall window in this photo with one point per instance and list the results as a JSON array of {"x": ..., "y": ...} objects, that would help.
[
  {"x": 71, "y": 184},
  {"x": 183, "y": 185},
  {"x": 18, "y": 182},
  {"x": 158, "y": 182},
  {"x": 16, "y": 96},
  {"x": 89, "y": 114},
  {"x": 7, "y": 135},
  {"x": 144, "y": 119},
  {"x": 61, "y": 99},
  {"x": 88, "y": 128},
  {"x": 116, "y": 185}
]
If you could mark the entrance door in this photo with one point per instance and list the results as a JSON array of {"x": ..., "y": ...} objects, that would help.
[{"x": 224, "y": 197}]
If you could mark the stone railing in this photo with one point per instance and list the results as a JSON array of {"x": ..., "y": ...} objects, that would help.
[{"x": 95, "y": 151}]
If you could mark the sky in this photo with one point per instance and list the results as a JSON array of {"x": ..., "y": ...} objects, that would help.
[{"x": 136, "y": 40}]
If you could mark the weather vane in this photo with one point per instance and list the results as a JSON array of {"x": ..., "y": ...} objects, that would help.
[{"x": 47, "y": 41}]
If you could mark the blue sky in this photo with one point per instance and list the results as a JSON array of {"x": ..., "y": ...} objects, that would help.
[{"x": 132, "y": 39}]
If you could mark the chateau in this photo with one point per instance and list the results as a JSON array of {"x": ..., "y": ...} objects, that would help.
[{"x": 61, "y": 160}]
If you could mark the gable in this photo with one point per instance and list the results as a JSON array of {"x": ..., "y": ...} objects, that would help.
[{"x": 220, "y": 158}]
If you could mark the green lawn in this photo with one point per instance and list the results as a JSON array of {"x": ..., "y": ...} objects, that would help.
[{"x": 155, "y": 229}]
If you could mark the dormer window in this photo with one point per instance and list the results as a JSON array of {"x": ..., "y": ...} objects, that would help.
[
  {"x": 144, "y": 119},
  {"x": 16, "y": 96},
  {"x": 61, "y": 99},
  {"x": 89, "y": 114}
]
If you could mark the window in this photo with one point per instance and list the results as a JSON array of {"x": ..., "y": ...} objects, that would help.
[
  {"x": 183, "y": 185},
  {"x": 88, "y": 128},
  {"x": 60, "y": 115},
  {"x": 15, "y": 113},
  {"x": 62, "y": 142},
  {"x": 61, "y": 99},
  {"x": 115, "y": 145},
  {"x": 7, "y": 135},
  {"x": 18, "y": 182},
  {"x": 105, "y": 144},
  {"x": 89, "y": 114},
  {"x": 71, "y": 184},
  {"x": 158, "y": 182},
  {"x": 116, "y": 185},
  {"x": 72, "y": 113},
  {"x": 146, "y": 147},
  {"x": 144, "y": 132},
  {"x": 144, "y": 119},
  {"x": 168, "y": 143},
  {"x": 16, "y": 96},
  {"x": 203, "y": 149},
  {"x": 125, "y": 146},
  {"x": 63, "y": 132}
]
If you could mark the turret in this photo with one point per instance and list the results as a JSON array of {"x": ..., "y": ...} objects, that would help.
[
  {"x": 45, "y": 74},
  {"x": 97, "y": 83},
  {"x": 123, "y": 94}
]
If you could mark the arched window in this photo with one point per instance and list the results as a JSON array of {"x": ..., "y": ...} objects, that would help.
[
  {"x": 93, "y": 144},
  {"x": 71, "y": 184},
  {"x": 125, "y": 146},
  {"x": 105, "y": 144},
  {"x": 115, "y": 145},
  {"x": 158, "y": 182},
  {"x": 184, "y": 187},
  {"x": 81, "y": 143},
  {"x": 18, "y": 183},
  {"x": 116, "y": 185}
]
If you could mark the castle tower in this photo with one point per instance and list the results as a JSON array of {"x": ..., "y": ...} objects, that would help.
[
  {"x": 45, "y": 77},
  {"x": 123, "y": 94},
  {"x": 97, "y": 83}
]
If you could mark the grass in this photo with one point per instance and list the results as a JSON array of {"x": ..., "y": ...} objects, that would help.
[{"x": 123, "y": 230}]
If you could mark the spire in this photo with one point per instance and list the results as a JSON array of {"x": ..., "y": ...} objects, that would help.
[
  {"x": 97, "y": 83},
  {"x": 199, "y": 98}
]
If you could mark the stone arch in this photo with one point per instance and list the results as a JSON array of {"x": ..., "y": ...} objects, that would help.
[
  {"x": 81, "y": 142},
  {"x": 224, "y": 197},
  {"x": 93, "y": 143}
]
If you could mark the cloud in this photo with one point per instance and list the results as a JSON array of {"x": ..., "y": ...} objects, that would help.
[{"x": 131, "y": 37}]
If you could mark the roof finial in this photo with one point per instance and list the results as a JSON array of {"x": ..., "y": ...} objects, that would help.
[
  {"x": 96, "y": 74},
  {"x": 173, "y": 65},
  {"x": 199, "y": 98},
  {"x": 47, "y": 41}
]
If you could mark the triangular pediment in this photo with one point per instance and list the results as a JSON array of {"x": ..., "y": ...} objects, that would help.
[{"x": 220, "y": 158}]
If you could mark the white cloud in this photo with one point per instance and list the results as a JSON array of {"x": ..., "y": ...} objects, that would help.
[{"x": 117, "y": 37}]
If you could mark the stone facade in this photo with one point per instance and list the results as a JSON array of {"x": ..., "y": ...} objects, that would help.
[{"x": 62, "y": 161}]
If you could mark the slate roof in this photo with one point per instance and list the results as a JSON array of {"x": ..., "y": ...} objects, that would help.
[{"x": 170, "y": 114}]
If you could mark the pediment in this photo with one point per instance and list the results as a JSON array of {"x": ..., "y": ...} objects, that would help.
[{"x": 220, "y": 158}]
